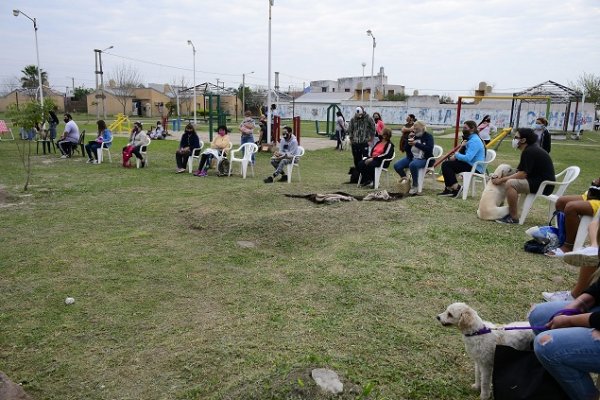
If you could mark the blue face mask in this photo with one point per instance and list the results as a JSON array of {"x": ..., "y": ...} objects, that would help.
[{"x": 536, "y": 127}]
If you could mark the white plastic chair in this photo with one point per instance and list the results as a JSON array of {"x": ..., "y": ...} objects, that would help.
[
  {"x": 582, "y": 231},
  {"x": 469, "y": 178},
  {"x": 247, "y": 150},
  {"x": 568, "y": 176},
  {"x": 437, "y": 153},
  {"x": 379, "y": 170},
  {"x": 144, "y": 153},
  {"x": 294, "y": 163},
  {"x": 218, "y": 154},
  {"x": 196, "y": 153},
  {"x": 99, "y": 152}
]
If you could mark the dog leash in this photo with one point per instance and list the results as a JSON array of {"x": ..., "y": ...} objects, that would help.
[{"x": 485, "y": 330}]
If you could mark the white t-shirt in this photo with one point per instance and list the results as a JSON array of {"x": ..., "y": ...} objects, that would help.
[
  {"x": 484, "y": 133},
  {"x": 72, "y": 131}
]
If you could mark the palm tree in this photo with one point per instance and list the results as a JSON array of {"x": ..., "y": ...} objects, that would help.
[{"x": 29, "y": 80}]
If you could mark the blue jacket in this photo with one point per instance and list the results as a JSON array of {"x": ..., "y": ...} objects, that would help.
[
  {"x": 474, "y": 151},
  {"x": 107, "y": 137}
]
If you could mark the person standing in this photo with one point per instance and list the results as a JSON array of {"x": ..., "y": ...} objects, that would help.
[
  {"x": 188, "y": 143},
  {"x": 53, "y": 123},
  {"x": 104, "y": 136},
  {"x": 69, "y": 138},
  {"x": 407, "y": 129},
  {"x": 361, "y": 131},
  {"x": 535, "y": 166},
  {"x": 340, "y": 129},
  {"x": 541, "y": 131},
  {"x": 485, "y": 128}
]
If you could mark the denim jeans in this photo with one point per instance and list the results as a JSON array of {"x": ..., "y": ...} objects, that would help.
[
  {"x": 248, "y": 139},
  {"x": 279, "y": 165},
  {"x": 414, "y": 165},
  {"x": 570, "y": 354}
]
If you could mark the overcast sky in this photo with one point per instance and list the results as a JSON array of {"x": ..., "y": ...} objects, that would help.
[{"x": 435, "y": 46}]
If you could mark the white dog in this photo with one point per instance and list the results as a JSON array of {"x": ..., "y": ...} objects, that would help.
[
  {"x": 491, "y": 205},
  {"x": 346, "y": 143},
  {"x": 481, "y": 338}
]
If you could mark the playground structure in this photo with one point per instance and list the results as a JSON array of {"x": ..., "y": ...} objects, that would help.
[
  {"x": 117, "y": 125},
  {"x": 5, "y": 129},
  {"x": 330, "y": 123}
]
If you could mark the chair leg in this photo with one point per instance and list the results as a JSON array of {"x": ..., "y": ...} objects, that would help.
[
  {"x": 421, "y": 179},
  {"x": 289, "y": 169},
  {"x": 467, "y": 177},
  {"x": 582, "y": 232},
  {"x": 377, "y": 176},
  {"x": 526, "y": 207},
  {"x": 244, "y": 168}
]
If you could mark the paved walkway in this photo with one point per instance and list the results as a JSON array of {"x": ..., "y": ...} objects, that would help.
[{"x": 309, "y": 143}]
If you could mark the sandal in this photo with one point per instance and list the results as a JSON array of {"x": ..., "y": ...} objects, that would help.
[{"x": 555, "y": 253}]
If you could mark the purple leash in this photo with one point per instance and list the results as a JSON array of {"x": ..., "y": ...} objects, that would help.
[{"x": 486, "y": 330}]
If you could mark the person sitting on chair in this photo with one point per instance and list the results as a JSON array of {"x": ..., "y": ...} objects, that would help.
[
  {"x": 472, "y": 149},
  {"x": 69, "y": 138},
  {"x": 137, "y": 140},
  {"x": 104, "y": 135},
  {"x": 382, "y": 150},
  {"x": 288, "y": 148},
  {"x": 158, "y": 133},
  {"x": 535, "y": 166},
  {"x": 189, "y": 141},
  {"x": 418, "y": 147},
  {"x": 219, "y": 146}
]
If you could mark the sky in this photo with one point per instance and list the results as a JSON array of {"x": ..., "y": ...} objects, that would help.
[{"x": 434, "y": 46}]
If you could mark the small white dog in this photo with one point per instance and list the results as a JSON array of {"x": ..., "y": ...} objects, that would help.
[
  {"x": 491, "y": 205},
  {"x": 346, "y": 143},
  {"x": 481, "y": 338}
]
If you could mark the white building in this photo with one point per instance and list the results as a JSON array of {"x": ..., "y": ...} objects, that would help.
[{"x": 360, "y": 87}]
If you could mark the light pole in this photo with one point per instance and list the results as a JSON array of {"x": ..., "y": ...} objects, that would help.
[
  {"x": 244, "y": 91},
  {"x": 195, "y": 104},
  {"x": 102, "y": 80},
  {"x": 369, "y": 33},
  {"x": 37, "y": 52},
  {"x": 269, "y": 116},
  {"x": 362, "y": 85}
]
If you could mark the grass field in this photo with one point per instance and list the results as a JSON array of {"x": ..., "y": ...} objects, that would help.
[{"x": 169, "y": 305}]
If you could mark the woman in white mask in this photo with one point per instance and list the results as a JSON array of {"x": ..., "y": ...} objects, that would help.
[{"x": 541, "y": 131}]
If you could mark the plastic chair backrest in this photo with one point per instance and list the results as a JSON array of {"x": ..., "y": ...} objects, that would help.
[
  {"x": 490, "y": 156},
  {"x": 437, "y": 151},
  {"x": 570, "y": 174}
]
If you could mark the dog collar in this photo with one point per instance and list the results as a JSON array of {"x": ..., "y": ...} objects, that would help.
[{"x": 482, "y": 331}]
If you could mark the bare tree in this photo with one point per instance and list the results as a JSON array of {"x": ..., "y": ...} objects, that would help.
[
  {"x": 9, "y": 84},
  {"x": 177, "y": 88},
  {"x": 126, "y": 79},
  {"x": 591, "y": 84}
]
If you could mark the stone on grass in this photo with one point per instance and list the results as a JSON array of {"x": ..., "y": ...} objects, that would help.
[
  {"x": 10, "y": 390},
  {"x": 246, "y": 244},
  {"x": 327, "y": 380}
]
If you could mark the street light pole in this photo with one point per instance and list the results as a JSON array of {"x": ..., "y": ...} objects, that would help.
[
  {"x": 37, "y": 53},
  {"x": 269, "y": 113},
  {"x": 369, "y": 33},
  {"x": 195, "y": 104},
  {"x": 244, "y": 91},
  {"x": 102, "y": 80},
  {"x": 362, "y": 85}
]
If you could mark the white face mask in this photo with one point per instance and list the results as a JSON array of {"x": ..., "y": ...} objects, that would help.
[{"x": 515, "y": 143}]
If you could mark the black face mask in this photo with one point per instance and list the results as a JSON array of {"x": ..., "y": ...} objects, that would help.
[{"x": 66, "y": 120}]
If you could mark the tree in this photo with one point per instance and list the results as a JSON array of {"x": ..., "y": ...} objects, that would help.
[
  {"x": 395, "y": 97},
  {"x": 80, "y": 93},
  {"x": 125, "y": 79},
  {"x": 176, "y": 88},
  {"x": 9, "y": 84},
  {"x": 28, "y": 117},
  {"x": 252, "y": 98},
  {"x": 30, "y": 80},
  {"x": 446, "y": 99},
  {"x": 590, "y": 83}
]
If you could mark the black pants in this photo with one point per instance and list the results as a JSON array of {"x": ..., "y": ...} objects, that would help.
[
  {"x": 136, "y": 152},
  {"x": 182, "y": 159},
  {"x": 339, "y": 135},
  {"x": 205, "y": 160},
  {"x": 359, "y": 150},
  {"x": 91, "y": 148},
  {"x": 451, "y": 168},
  {"x": 367, "y": 171},
  {"x": 66, "y": 147}
]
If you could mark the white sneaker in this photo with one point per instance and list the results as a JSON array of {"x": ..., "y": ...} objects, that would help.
[
  {"x": 413, "y": 191},
  {"x": 64, "y": 156},
  {"x": 95, "y": 162},
  {"x": 89, "y": 161},
  {"x": 586, "y": 257},
  {"x": 564, "y": 295}
]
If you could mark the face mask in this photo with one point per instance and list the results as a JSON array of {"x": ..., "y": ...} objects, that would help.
[
  {"x": 515, "y": 143},
  {"x": 66, "y": 120},
  {"x": 536, "y": 127},
  {"x": 376, "y": 118},
  {"x": 221, "y": 133}
]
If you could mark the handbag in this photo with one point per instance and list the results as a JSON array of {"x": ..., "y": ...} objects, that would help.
[
  {"x": 518, "y": 375},
  {"x": 560, "y": 225}
]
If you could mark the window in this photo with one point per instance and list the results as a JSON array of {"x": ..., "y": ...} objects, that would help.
[
  {"x": 323, "y": 89},
  {"x": 347, "y": 90},
  {"x": 390, "y": 92}
]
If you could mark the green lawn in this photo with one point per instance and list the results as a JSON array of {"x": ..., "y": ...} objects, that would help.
[{"x": 168, "y": 305}]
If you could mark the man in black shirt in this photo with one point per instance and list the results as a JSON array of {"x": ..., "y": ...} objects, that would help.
[{"x": 534, "y": 167}]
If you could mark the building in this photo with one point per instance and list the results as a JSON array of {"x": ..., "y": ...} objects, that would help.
[
  {"x": 20, "y": 96},
  {"x": 359, "y": 86}
]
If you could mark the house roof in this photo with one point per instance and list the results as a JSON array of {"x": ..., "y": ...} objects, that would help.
[{"x": 327, "y": 97}]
